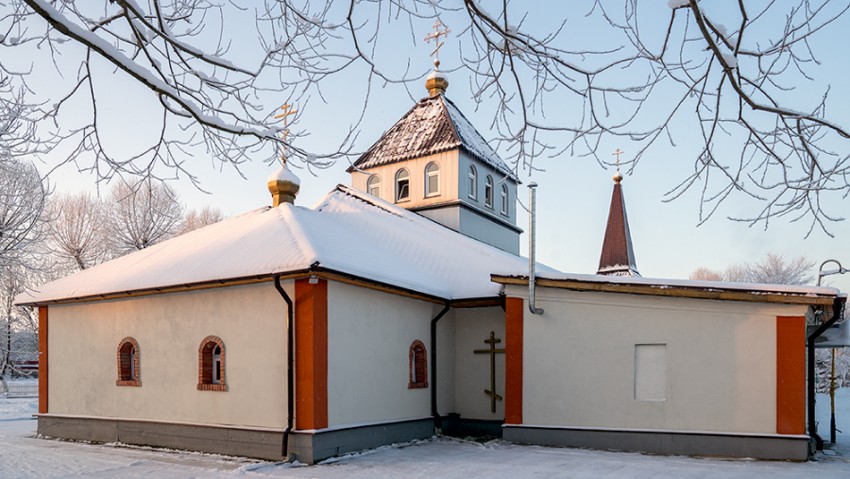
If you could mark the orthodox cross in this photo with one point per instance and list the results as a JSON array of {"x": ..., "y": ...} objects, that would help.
[
  {"x": 617, "y": 176},
  {"x": 492, "y": 351},
  {"x": 286, "y": 110},
  {"x": 436, "y": 37},
  {"x": 617, "y": 153}
]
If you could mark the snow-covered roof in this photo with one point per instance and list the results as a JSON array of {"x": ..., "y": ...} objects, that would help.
[
  {"x": 433, "y": 125},
  {"x": 638, "y": 284},
  {"x": 348, "y": 232}
]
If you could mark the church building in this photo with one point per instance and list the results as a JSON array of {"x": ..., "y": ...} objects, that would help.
[{"x": 398, "y": 308}]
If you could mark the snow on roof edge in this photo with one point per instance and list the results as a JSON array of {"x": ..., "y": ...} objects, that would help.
[
  {"x": 305, "y": 241},
  {"x": 757, "y": 288}
]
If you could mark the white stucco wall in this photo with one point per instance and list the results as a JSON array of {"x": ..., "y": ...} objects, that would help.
[
  {"x": 446, "y": 363},
  {"x": 369, "y": 338},
  {"x": 578, "y": 361},
  {"x": 84, "y": 337},
  {"x": 472, "y": 371}
]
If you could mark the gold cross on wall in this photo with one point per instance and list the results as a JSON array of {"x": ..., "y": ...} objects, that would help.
[
  {"x": 436, "y": 37},
  {"x": 286, "y": 110},
  {"x": 492, "y": 351}
]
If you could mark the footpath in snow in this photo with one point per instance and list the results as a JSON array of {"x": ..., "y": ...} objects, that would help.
[{"x": 22, "y": 455}]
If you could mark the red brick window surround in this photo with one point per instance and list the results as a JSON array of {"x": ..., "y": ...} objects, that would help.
[
  {"x": 418, "y": 366},
  {"x": 211, "y": 371},
  {"x": 128, "y": 363}
]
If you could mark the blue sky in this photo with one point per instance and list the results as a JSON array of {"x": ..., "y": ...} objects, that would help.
[{"x": 574, "y": 191}]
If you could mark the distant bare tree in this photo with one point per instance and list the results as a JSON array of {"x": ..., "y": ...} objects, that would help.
[
  {"x": 652, "y": 72},
  {"x": 773, "y": 269},
  {"x": 22, "y": 200},
  {"x": 776, "y": 269},
  {"x": 734, "y": 273},
  {"x": 705, "y": 274},
  {"x": 18, "y": 121},
  {"x": 15, "y": 320},
  {"x": 199, "y": 218},
  {"x": 78, "y": 229},
  {"x": 142, "y": 214},
  {"x": 22, "y": 191}
]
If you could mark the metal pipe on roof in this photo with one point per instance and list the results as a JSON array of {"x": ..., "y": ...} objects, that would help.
[
  {"x": 532, "y": 226},
  {"x": 822, "y": 273},
  {"x": 290, "y": 377}
]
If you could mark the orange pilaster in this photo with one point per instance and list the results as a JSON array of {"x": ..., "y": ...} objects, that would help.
[
  {"x": 514, "y": 311},
  {"x": 42, "y": 360},
  {"x": 790, "y": 375},
  {"x": 311, "y": 354}
]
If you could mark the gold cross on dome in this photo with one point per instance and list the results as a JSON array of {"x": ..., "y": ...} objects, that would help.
[
  {"x": 436, "y": 37},
  {"x": 287, "y": 110}
]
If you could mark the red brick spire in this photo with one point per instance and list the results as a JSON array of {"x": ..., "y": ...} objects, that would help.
[{"x": 618, "y": 257}]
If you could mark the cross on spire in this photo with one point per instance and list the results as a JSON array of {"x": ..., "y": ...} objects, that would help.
[
  {"x": 286, "y": 110},
  {"x": 436, "y": 37},
  {"x": 618, "y": 177}
]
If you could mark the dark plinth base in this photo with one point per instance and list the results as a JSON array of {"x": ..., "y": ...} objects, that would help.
[
  {"x": 307, "y": 447},
  {"x": 775, "y": 447}
]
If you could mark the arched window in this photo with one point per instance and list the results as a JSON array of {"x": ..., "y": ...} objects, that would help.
[
  {"x": 418, "y": 366},
  {"x": 402, "y": 185},
  {"x": 488, "y": 191},
  {"x": 432, "y": 179},
  {"x": 504, "y": 199},
  {"x": 473, "y": 182},
  {"x": 128, "y": 363},
  {"x": 211, "y": 370},
  {"x": 373, "y": 186}
]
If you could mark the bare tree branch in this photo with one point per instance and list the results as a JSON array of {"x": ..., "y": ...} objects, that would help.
[{"x": 651, "y": 77}]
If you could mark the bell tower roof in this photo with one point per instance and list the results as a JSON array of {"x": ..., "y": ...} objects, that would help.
[
  {"x": 432, "y": 126},
  {"x": 618, "y": 256}
]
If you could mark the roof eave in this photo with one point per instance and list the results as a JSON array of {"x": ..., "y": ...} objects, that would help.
[
  {"x": 316, "y": 270},
  {"x": 666, "y": 290}
]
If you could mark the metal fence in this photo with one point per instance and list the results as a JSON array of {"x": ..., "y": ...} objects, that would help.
[{"x": 19, "y": 388}]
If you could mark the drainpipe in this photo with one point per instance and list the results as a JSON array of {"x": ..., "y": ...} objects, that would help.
[
  {"x": 290, "y": 378},
  {"x": 813, "y": 427},
  {"x": 532, "y": 224},
  {"x": 437, "y": 423}
]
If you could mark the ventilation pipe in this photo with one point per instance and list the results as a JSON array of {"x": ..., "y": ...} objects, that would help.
[{"x": 532, "y": 223}]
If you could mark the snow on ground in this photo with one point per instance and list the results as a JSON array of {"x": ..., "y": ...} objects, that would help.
[
  {"x": 22, "y": 455},
  {"x": 842, "y": 422}
]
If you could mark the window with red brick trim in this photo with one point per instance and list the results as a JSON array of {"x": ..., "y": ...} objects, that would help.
[
  {"x": 418, "y": 366},
  {"x": 128, "y": 363},
  {"x": 211, "y": 370}
]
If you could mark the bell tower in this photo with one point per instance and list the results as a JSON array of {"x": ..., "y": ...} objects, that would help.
[{"x": 435, "y": 162}]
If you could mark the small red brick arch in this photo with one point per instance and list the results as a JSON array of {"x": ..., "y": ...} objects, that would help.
[
  {"x": 128, "y": 363},
  {"x": 205, "y": 365},
  {"x": 418, "y": 366}
]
